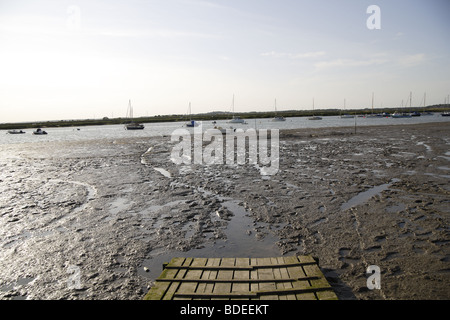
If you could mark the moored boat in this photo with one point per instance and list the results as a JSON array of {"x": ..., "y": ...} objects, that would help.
[
  {"x": 132, "y": 125},
  {"x": 14, "y": 131},
  {"x": 39, "y": 131},
  {"x": 191, "y": 123},
  {"x": 314, "y": 117},
  {"x": 235, "y": 119},
  {"x": 400, "y": 115},
  {"x": 277, "y": 118}
]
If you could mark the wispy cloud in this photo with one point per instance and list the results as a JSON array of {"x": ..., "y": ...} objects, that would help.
[
  {"x": 412, "y": 60},
  {"x": 374, "y": 60},
  {"x": 208, "y": 4},
  {"x": 305, "y": 55},
  {"x": 339, "y": 63},
  {"x": 150, "y": 33}
]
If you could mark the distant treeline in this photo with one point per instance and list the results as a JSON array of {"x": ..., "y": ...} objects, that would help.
[{"x": 215, "y": 116}]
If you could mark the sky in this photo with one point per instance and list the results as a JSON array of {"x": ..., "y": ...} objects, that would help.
[{"x": 80, "y": 59}]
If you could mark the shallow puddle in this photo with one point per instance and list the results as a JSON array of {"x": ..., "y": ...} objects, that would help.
[
  {"x": 241, "y": 240},
  {"x": 362, "y": 197}
]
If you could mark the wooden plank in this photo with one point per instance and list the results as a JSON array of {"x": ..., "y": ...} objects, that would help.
[
  {"x": 288, "y": 285},
  {"x": 260, "y": 294},
  {"x": 277, "y": 276},
  {"x": 211, "y": 274},
  {"x": 202, "y": 282},
  {"x": 237, "y": 281},
  {"x": 266, "y": 273},
  {"x": 242, "y": 278},
  {"x": 157, "y": 291},
  {"x": 226, "y": 274},
  {"x": 168, "y": 273},
  {"x": 242, "y": 273},
  {"x": 252, "y": 266},
  {"x": 174, "y": 273},
  {"x": 201, "y": 287},
  {"x": 254, "y": 276},
  {"x": 179, "y": 274},
  {"x": 326, "y": 295},
  {"x": 199, "y": 262},
  {"x": 221, "y": 289},
  {"x": 297, "y": 272},
  {"x": 306, "y": 260},
  {"x": 170, "y": 291},
  {"x": 281, "y": 274},
  {"x": 320, "y": 282},
  {"x": 183, "y": 287},
  {"x": 196, "y": 274}
]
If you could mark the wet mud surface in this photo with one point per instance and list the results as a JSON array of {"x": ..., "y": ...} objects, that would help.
[{"x": 96, "y": 219}]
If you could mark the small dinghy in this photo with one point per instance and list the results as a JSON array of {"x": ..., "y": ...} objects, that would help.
[
  {"x": 39, "y": 131},
  {"x": 16, "y": 131}
]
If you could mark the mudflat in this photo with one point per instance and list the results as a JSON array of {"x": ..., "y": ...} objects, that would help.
[{"x": 95, "y": 219}]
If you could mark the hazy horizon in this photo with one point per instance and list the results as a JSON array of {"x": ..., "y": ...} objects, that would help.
[{"x": 83, "y": 59}]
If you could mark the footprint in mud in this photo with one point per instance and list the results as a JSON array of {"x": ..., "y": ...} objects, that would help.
[
  {"x": 346, "y": 258},
  {"x": 390, "y": 255},
  {"x": 344, "y": 251},
  {"x": 318, "y": 238},
  {"x": 318, "y": 221},
  {"x": 380, "y": 238},
  {"x": 373, "y": 248}
]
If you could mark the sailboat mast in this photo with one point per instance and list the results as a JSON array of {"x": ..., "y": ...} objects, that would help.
[
  {"x": 232, "y": 106},
  {"x": 410, "y": 98},
  {"x": 190, "y": 118},
  {"x": 372, "y": 102},
  {"x": 130, "y": 110}
]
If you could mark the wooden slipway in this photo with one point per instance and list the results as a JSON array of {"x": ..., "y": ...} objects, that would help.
[{"x": 280, "y": 278}]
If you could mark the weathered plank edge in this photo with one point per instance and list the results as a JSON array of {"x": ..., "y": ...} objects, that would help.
[
  {"x": 253, "y": 294},
  {"x": 237, "y": 280},
  {"x": 251, "y": 267}
]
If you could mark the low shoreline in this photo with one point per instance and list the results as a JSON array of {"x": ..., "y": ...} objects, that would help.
[
  {"x": 115, "y": 208},
  {"x": 207, "y": 117}
]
